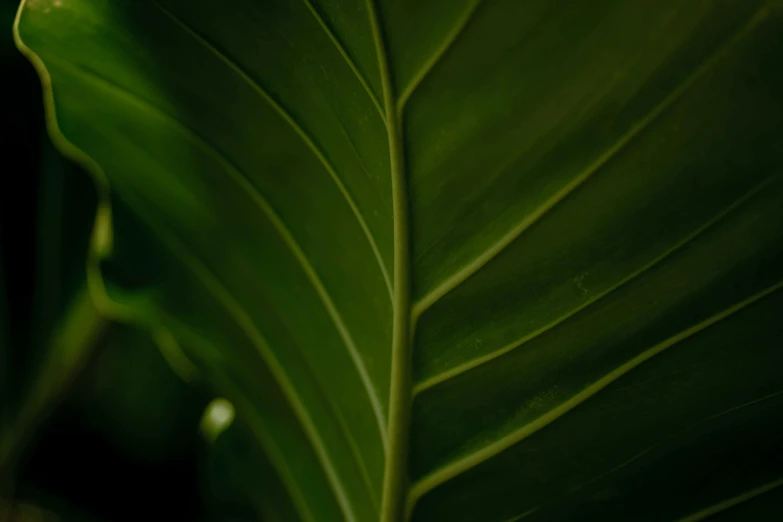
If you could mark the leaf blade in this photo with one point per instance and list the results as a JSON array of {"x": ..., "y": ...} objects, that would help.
[{"x": 533, "y": 289}]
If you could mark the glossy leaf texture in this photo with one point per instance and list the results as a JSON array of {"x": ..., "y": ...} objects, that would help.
[{"x": 452, "y": 260}]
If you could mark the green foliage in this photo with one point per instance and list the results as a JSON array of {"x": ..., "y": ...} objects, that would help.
[
  {"x": 450, "y": 260},
  {"x": 76, "y": 421}
]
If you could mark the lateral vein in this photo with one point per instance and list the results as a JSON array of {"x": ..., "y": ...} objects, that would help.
[
  {"x": 298, "y": 130},
  {"x": 287, "y": 477},
  {"x": 731, "y": 502},
  {"x": 451, "y": 37},
  {"x": 346, "y": 57},
  {"x": 246, "y": 324},
  {"x": 285, "y": 234},
  {"x": 484, "y": 359},
  {"x": 461, "y": 465},
  {"x": 462, "y": 274}
]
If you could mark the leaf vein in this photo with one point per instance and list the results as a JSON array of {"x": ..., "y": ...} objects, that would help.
[
  {"x": 461, "y": 275},
  {"x": 346, "y": 57},
  {"x": 638, "y": 455},
  {"x": 284, "y": 233},
  {"x": 298, "y": 130},
  {"x": 260, "y": 432},
  {"x": 451, "y": 37},
  {"x": 730, "y": 503},
  {"x": 484, "y": 359},
  {"x": 246, "y": 324},
  {"x": 463, "y": 464},
  {"x": 394, "y": 483},
  {"x": 288, "y": 238}
]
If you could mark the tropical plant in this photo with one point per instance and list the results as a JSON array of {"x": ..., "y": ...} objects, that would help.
[{"x": 450, "y": 260}]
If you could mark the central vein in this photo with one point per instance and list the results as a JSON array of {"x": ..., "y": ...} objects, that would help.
[{"x": 395, "y": 480}]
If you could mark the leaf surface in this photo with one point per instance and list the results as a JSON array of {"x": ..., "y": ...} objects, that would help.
[{"x": 453, "y": 260}]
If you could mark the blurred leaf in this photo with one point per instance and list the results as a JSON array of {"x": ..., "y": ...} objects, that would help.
[
  {"x": 130, "y": 426},
  {"x": 65, "y": 324},
  {"x": 66, "y": 209},
  {"x": 131, "y": 394},
  {"x": 45, "y": 221},
  {"x": 54, "y": 338},
  {"x": 57, "y": 510},
  {"x": 22, "y": 512},
  {"x": 451, "y": 260}
]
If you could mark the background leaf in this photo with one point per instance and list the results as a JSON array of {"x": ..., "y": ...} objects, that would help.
[
  {"x": 451, "y": 260},
  {"x": 133, "y": 439},
  {"x": 84, "y": 459},
  {"x": 44, "y": 230}
]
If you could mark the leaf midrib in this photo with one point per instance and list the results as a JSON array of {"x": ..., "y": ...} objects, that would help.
[
  {"x": 406, "y": 312},
  {"x": 395, "y": 469},
  {"x": 459, "y": 466}
]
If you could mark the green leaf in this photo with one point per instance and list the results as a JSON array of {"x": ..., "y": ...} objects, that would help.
[
  {"x": 452, "y": 260},
  {"x": 49, "y": 327},
  {"x": 241, "y": 480}
]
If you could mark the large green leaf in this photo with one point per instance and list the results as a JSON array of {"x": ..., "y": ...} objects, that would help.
[{"x": 452, "y": 260}]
